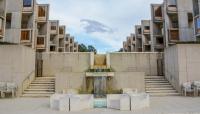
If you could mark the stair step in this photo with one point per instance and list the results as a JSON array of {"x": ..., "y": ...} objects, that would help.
[
  {"x": 41, "y": 84},
  {"x": 167, "y": 88},
  {"x": 47, "y": 89},
  {"x": 159, "y": 81},
  {"x": 164, "y": 94},
  {"x": 161, "y": 91},
  {"x": 154, "y": 77},
  {"x": 36, "y": 95},
  {"x": 38, "y": 92},
  {"x": 157, "y": 84},
  {"x": 41, "y": 87}
]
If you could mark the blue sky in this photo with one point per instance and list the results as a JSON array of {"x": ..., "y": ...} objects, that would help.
[{"x": 102, "y": 23}]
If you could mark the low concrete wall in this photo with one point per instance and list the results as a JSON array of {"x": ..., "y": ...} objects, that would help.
[
  {"x": 69, "y": 80},
  {"x": 135, "y": 62},
  {"x": 182, "y": 63},
  {"x": 133, "y": 80},
  {"x": 54, "y": 63},
  {"x": 16, "y": 64}
]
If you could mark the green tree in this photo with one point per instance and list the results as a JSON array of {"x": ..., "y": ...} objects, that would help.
[
  {"x": 82, "y": 48},
  {"x": 91, "y": 49}
]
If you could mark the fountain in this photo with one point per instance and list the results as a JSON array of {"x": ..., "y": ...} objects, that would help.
[{"x": 98, "y": 79}]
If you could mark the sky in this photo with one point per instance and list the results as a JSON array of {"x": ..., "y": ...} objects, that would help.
[{"x": 105, "y": 24}]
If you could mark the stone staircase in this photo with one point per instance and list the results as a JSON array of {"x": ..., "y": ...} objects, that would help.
[
  {"x": 159, "y": 86},
  {"x": 40, "y": 87}
]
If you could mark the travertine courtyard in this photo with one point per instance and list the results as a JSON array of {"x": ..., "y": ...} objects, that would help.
[{"x": 159, "y": 105}]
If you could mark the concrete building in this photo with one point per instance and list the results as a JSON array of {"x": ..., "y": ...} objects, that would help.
[
  {"x": 2, "y": 19},
  {"x": 42, "y": 18},
  {"x": 130, "y": 44},
  {"x": 53, "y": 35},
  {"x": 178, "y": 22},
  {"x": 26, "y": 22},
  {"x": 157, "y": 28},
  {"x": 146, "y": 36},
  {"x": 20, "y": 22},
  {"x": 70, "y": 44},
  {"x": 61, "y": 39},
  {"x": 138, "y": 38},
  {"x": 196, "y": 10}
]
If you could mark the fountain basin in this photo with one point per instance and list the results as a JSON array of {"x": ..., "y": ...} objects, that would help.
[
  {"x": 100, "y": 103},
  {"x": 100, "y": 74}
]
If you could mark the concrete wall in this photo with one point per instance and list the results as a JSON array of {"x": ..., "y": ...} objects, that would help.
[
  {"x": 182, "y": 63},
  {"x": 135, "y": 62},
  {"x": 133, "y": 80},
  {"x": 16, "y": 63},
  {"x": 54, "y": 63},
  {"x": 70, "y": 68}
]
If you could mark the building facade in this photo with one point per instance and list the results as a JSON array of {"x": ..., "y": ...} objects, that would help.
[
  {"x": 172, "y": 21},
  {"x": 26, "y": 22}
]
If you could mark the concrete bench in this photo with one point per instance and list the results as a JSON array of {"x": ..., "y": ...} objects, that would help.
[
  {"x": 81, "y": 102},
  {"x": 118, "y": 101},
  {"x": 8, "y": 87},
  {"x": 139, "y": 101}
]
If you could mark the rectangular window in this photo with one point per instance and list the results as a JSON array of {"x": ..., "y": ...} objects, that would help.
[
  {"x": 8, "y": 20},
  {"x": 41, "y": 11},
  {"x": 53, "y": 27},
  {"x": 40, "y": 41},
  {"x": 27, "y": 3},
  {"x": 25, "y": 35},
  {"x": 195, "y": 7}
]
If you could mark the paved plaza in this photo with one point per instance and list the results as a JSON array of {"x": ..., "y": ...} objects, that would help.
[{"x": 159, "y": 105}]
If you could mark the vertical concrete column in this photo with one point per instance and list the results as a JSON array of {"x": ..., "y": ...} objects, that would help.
[
  {"x": 91, "y": 60},
  {"x": 108, "y": 60}
]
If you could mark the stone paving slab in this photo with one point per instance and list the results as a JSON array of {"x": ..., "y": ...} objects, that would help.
[{"x": 159, "y": 105}]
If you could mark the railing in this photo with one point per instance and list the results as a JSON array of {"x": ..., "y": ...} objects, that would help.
[
  {"x": 27, "y": 81},
  {"x": 172, "y": 8},
  {"x": 174, "y": 25}
]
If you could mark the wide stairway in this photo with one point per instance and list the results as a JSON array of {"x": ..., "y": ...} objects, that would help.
[
  {"x": 159, "y": 86},
  {"x": 40, "y": 87}
]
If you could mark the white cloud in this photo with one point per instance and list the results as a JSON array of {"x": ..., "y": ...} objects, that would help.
[{"x": 120, "y": 15}]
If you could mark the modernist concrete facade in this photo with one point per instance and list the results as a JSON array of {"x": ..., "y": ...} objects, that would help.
[
  {"x": 182, "y": 64},
  {"x": 70, "y": 68},
  {"x": 196, "y": 14},
  {"x": 146, "y": 36},
  {"x": 130, "y": 44},
  {"x": 157, "y": 28},
  {"x": 26, "y": 22},
  {"x": 178, "y": 15},
  {"x": 17, "y": 64},
  {"x": 171, "y": 22}
]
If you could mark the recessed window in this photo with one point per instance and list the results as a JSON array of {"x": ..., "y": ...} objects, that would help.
[
  {"x": 8, "y": 20},
  {"x": 27, "y": 3},
  {"x": 41, "y": 11}
]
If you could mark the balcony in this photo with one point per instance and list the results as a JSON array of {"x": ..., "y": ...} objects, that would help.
[
  {"x": 146, "y": 31},
  {"x": 171, "y": 9},
  {"x": 42, "y": 13},
  {"x": 174, "y": 26},
  {"x": 28, "y": 6},
  {"x": 26, "y": 35},
  {"x": 40, "y": 42},
  {"x": 53, "y": 29},
  {"x": 173, "y": 35}
]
